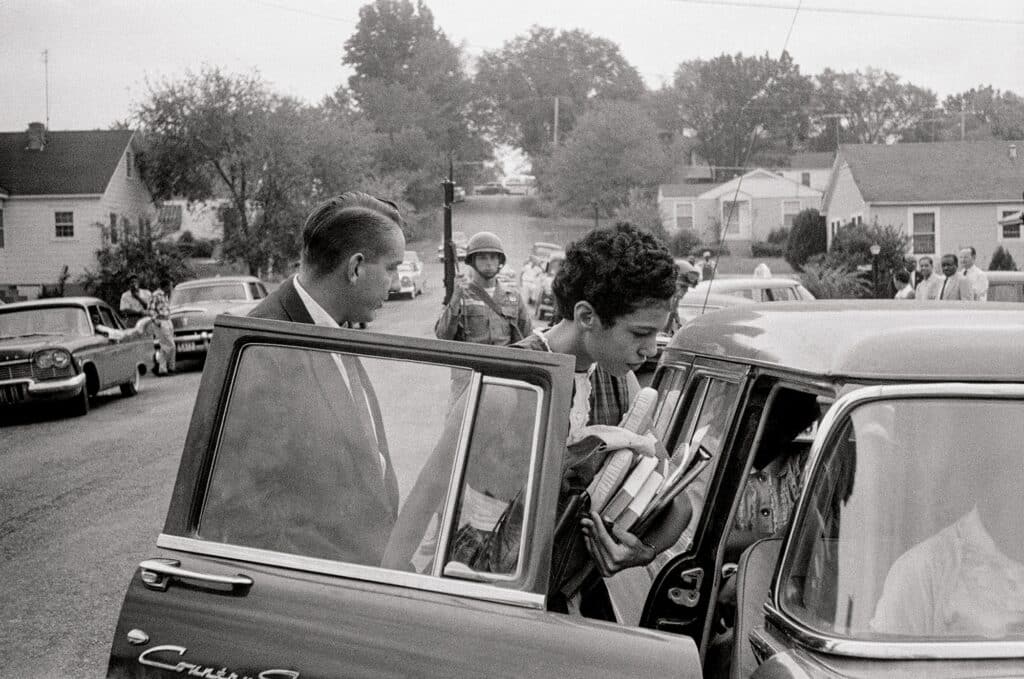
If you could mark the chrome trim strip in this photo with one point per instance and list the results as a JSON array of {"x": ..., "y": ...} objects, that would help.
[
  {"x": 888, "y": 650},
  {"x": 19, "y": 361},
  {"x": 455, "y": 480},
  {"x": 452, "y": 587}
]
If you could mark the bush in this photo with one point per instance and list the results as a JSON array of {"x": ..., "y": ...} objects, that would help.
[
  {"x": 1002, "y": 261},
  {"x": 851, "y": 247},
  {"x": 141, "y": 255},
  {"x": 779, "y": 236},
  {"x": 683, "y": 242},
  {"x": 767, "y": 249},
  {"x": 806, "y": 239},
  {"x": 827, "y": 282}
]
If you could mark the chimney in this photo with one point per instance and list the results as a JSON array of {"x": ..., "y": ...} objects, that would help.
[
  {"x": 36, "y": 137},
  {"x": 1013, "y": 152}
]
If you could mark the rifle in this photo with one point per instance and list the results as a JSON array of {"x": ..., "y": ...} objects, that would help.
[{"x": 450, "y": 255}]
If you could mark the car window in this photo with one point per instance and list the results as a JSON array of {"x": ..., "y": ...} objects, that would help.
[
  {"x": 888, "y": 548},
  {"x": 351, "y": 459},
  {"x": 670, "y": 392},
  {"x": 782, "y": 294},
  {"x": 256, "y": 290},
  {"x": 61, "y": 320},
  {"x": 94, "y": 316},
  {"x": 108, "y": 319},
  {"x": 208, "y": 293}
]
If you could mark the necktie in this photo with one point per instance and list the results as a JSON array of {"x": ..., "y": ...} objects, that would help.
[
  {"x": 361, "y": 404},
  {"x": 943, "y": 291}
]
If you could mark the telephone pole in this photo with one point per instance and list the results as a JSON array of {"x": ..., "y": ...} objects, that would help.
[
  {"x": 46, "y": 76},
  {"x": 838, "y": 117}
]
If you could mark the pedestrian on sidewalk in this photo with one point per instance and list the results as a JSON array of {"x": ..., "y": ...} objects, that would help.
[{"x": 160, "y": 312}]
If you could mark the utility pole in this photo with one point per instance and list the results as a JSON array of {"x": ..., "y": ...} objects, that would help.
[
  {"x": 556, "y": 120},
  {"x": 46, "y": 72},
  {"x": 450, "y": 255}
]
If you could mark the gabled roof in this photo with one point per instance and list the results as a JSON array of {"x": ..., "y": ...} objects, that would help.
[
  {"x": 960, "y": 171},
  {"x": 685, "y": 190},
  {"x": 761, "y": 183},
  {"x": 73, "y": 162}
]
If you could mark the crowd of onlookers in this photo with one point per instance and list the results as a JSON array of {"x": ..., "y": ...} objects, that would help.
[{"x": 961, "y": 278}]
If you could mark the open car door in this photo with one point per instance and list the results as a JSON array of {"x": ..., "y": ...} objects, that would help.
[{"x": 362, "y": 505}]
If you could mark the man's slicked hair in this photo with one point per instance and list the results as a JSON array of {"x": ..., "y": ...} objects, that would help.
[
  {"x": 616, "y": 270},
  {"x": 344, "y": 225}
]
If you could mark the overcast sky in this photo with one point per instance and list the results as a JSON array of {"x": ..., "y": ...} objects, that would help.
[{"x": 102, "y": 52}]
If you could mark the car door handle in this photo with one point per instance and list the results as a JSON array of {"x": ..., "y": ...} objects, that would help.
[{"x": 157, "y": 573}]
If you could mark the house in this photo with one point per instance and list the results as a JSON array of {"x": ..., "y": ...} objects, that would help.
[
  {"x": 809, "y": 169},
  {"x": 203, "y": 219},
  {"x": 740, "y": 211},
  {"x": 63, "y": 195},
  {"x": 944, "y": 195}
]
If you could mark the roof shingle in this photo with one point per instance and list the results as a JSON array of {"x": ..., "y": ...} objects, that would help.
[
  {"x": 73, "y": 162},
  {"x": 937, "y": 172}
]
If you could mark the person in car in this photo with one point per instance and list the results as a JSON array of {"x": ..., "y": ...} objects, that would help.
[
  {"x": 613, "y": 294},
  {"x": 480, "y": 309}
]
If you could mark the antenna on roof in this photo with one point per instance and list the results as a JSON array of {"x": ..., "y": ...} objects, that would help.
[{"x": 46, "y": 70}]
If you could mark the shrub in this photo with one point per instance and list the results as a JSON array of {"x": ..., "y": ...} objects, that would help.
[
  {"x": 142, "y": 255},
  {"x": 683, "y": 243},
  {"x": 806, "y": 239},
  {"x": 851, "y": 247},
  {"x": 827, "y": 282},
  {"x": 766, "y": 249},
  {"x": 1002, "y": 261},
  {"x": 779, "y": 236}
]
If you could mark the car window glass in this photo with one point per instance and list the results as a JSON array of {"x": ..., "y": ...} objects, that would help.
[
  {"x": 55, "y": 320},
  {"x": 256, "y": 291},
  {"x": 669, "y": 401},
  {"x": 488, "y": 530},
  {"x": 208, "y": 293},
  {"x": 94, "y": 316},
  {"x": 889, "y": 549},
  {"x": 782, "y": 294},
  {"x": 706, "y": 423},
  {"x": 107, "y": 318}
]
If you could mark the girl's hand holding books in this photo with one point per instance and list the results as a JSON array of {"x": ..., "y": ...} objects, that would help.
[{"x": 612, "y": 552}]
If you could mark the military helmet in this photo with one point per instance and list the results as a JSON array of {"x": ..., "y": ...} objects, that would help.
[{"x": 484, "y": 241}]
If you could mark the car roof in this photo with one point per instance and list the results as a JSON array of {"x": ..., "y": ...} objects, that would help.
[
  {"x": 52, "y": 302},
  {"x": 752, "y": 282},
  {"x": 873, "y": 339},
  {"x": 199, "y": 282},
  {"x": 713, "y": 299}
]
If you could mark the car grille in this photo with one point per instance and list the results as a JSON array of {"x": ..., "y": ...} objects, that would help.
[
  {"x": 52, "y": 373},
  {"x": 16, "y": 370}
]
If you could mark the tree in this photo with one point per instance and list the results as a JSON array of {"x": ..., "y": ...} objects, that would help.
[
  {"x": 742, "y": 108},
  {"x": 806, "y": 239},
  {"x": 518, "y": 84},
  {"x": 217, "y": 136},
  {"x": 877, "y": 106},
  {"x": 141, "y": 254},
  {"x": 986, "y": 112},
  {"x": 641, "y": 210},
  {"x": 614, "y": 148}
]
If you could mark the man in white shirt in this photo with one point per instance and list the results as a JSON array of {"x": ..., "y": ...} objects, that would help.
[
  {"x": 974, "y": 275},
  {"x": 928, "y": 282}
]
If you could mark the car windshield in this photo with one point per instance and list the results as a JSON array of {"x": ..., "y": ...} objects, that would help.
[
  {"x": 208, "y": 293},
  {"x": 912, "y": 529},
  {"x": 61, "y": 320}
]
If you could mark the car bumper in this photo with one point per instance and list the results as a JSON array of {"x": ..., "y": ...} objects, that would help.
[{"x": 23, "y": 391}]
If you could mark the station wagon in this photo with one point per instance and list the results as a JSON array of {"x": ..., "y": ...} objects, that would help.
[{"x": 274, "y": 560}]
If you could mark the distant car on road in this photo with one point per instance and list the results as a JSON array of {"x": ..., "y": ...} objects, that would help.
[
  {"x": 491, "y": 189},
  {"x": 408, "y": 278},
  {"x": 756, "y": 289},
  {"x": 519, "y": 186},
  {"x": 68, "y": 349},
  {"x": 194, "y": 305},
  {"x": 461, "y": 241}
]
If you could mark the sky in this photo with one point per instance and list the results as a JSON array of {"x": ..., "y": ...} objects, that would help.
[{"x": 102, "y": 54}]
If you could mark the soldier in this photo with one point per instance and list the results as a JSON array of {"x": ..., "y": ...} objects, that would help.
[{"x": 480, "y": 309}]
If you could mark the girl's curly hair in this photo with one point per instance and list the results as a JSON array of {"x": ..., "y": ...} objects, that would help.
[{"x": 616, "y": 270}]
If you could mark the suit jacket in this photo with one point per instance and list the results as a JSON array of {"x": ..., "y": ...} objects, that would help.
[
  {"x": 956, "y": 287},
  {"x": 928, "y": 288},
  {"x": 301, "y": 474}
]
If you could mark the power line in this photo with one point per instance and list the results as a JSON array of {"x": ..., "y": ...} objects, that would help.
[{"x": 853, "y": 11}]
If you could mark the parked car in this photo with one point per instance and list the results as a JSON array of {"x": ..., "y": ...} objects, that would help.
[
  {"x": 491, "y": 189},
  {"x": 508, "y": 277},
  {"x": 257, "y": 570},
  {"x": 770, "y": 289},
  {"x": 519, "y": 186},
  {"x": 545, "y": 309},
  {"x": 533, "y": 269},
  {"x": 68, "y": 349},
  {"x": 408, "y": 278},
  {"x": 460, "y": 240},
  {"x": 1005, "y": 286},
  {"x": 194, "y": 305}
]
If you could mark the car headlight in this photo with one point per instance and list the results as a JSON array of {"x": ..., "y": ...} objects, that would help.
[{"x": 52, "y": 358}]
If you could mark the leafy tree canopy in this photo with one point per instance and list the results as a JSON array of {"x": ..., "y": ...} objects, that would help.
[{"x": 519, "y": 82}]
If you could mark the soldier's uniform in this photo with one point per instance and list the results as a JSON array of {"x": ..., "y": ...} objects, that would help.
[{"x": 467, "y": 318}]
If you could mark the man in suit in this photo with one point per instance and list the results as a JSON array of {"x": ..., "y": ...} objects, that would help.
[
  {"x": 954, "y": 286},
  {"x": 306, "y": 468},
  {"x": 928, "y": 282}
]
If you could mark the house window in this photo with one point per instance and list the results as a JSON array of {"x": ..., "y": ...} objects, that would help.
[
  {"x": 128, "y": 163},
  {"x": 113, "y": 228},
  {"x": 1009, "y": 231},
  {"x": 65, "y": 224},
  {"x": 684, "y": 216},
  {"x": 126, "y": 226},
  {"x": 924, "y": 233},
  {"x": 790, "y": 209},
  {"x": 733, "y": 215},
  {"x": 805, "y": 178}
]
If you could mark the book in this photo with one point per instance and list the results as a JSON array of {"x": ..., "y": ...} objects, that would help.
[
  {"x": 628, "y": 518},
  {"x": 630, "y": 488},
  {"x": 640, "y": 415},
  {"x": 610, "y": 477}
]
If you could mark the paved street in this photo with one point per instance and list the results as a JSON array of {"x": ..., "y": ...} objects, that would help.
[{"x": 82, "y": 500}]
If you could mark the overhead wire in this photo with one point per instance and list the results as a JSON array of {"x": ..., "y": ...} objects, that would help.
[{"x": 854, "y": 11}]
